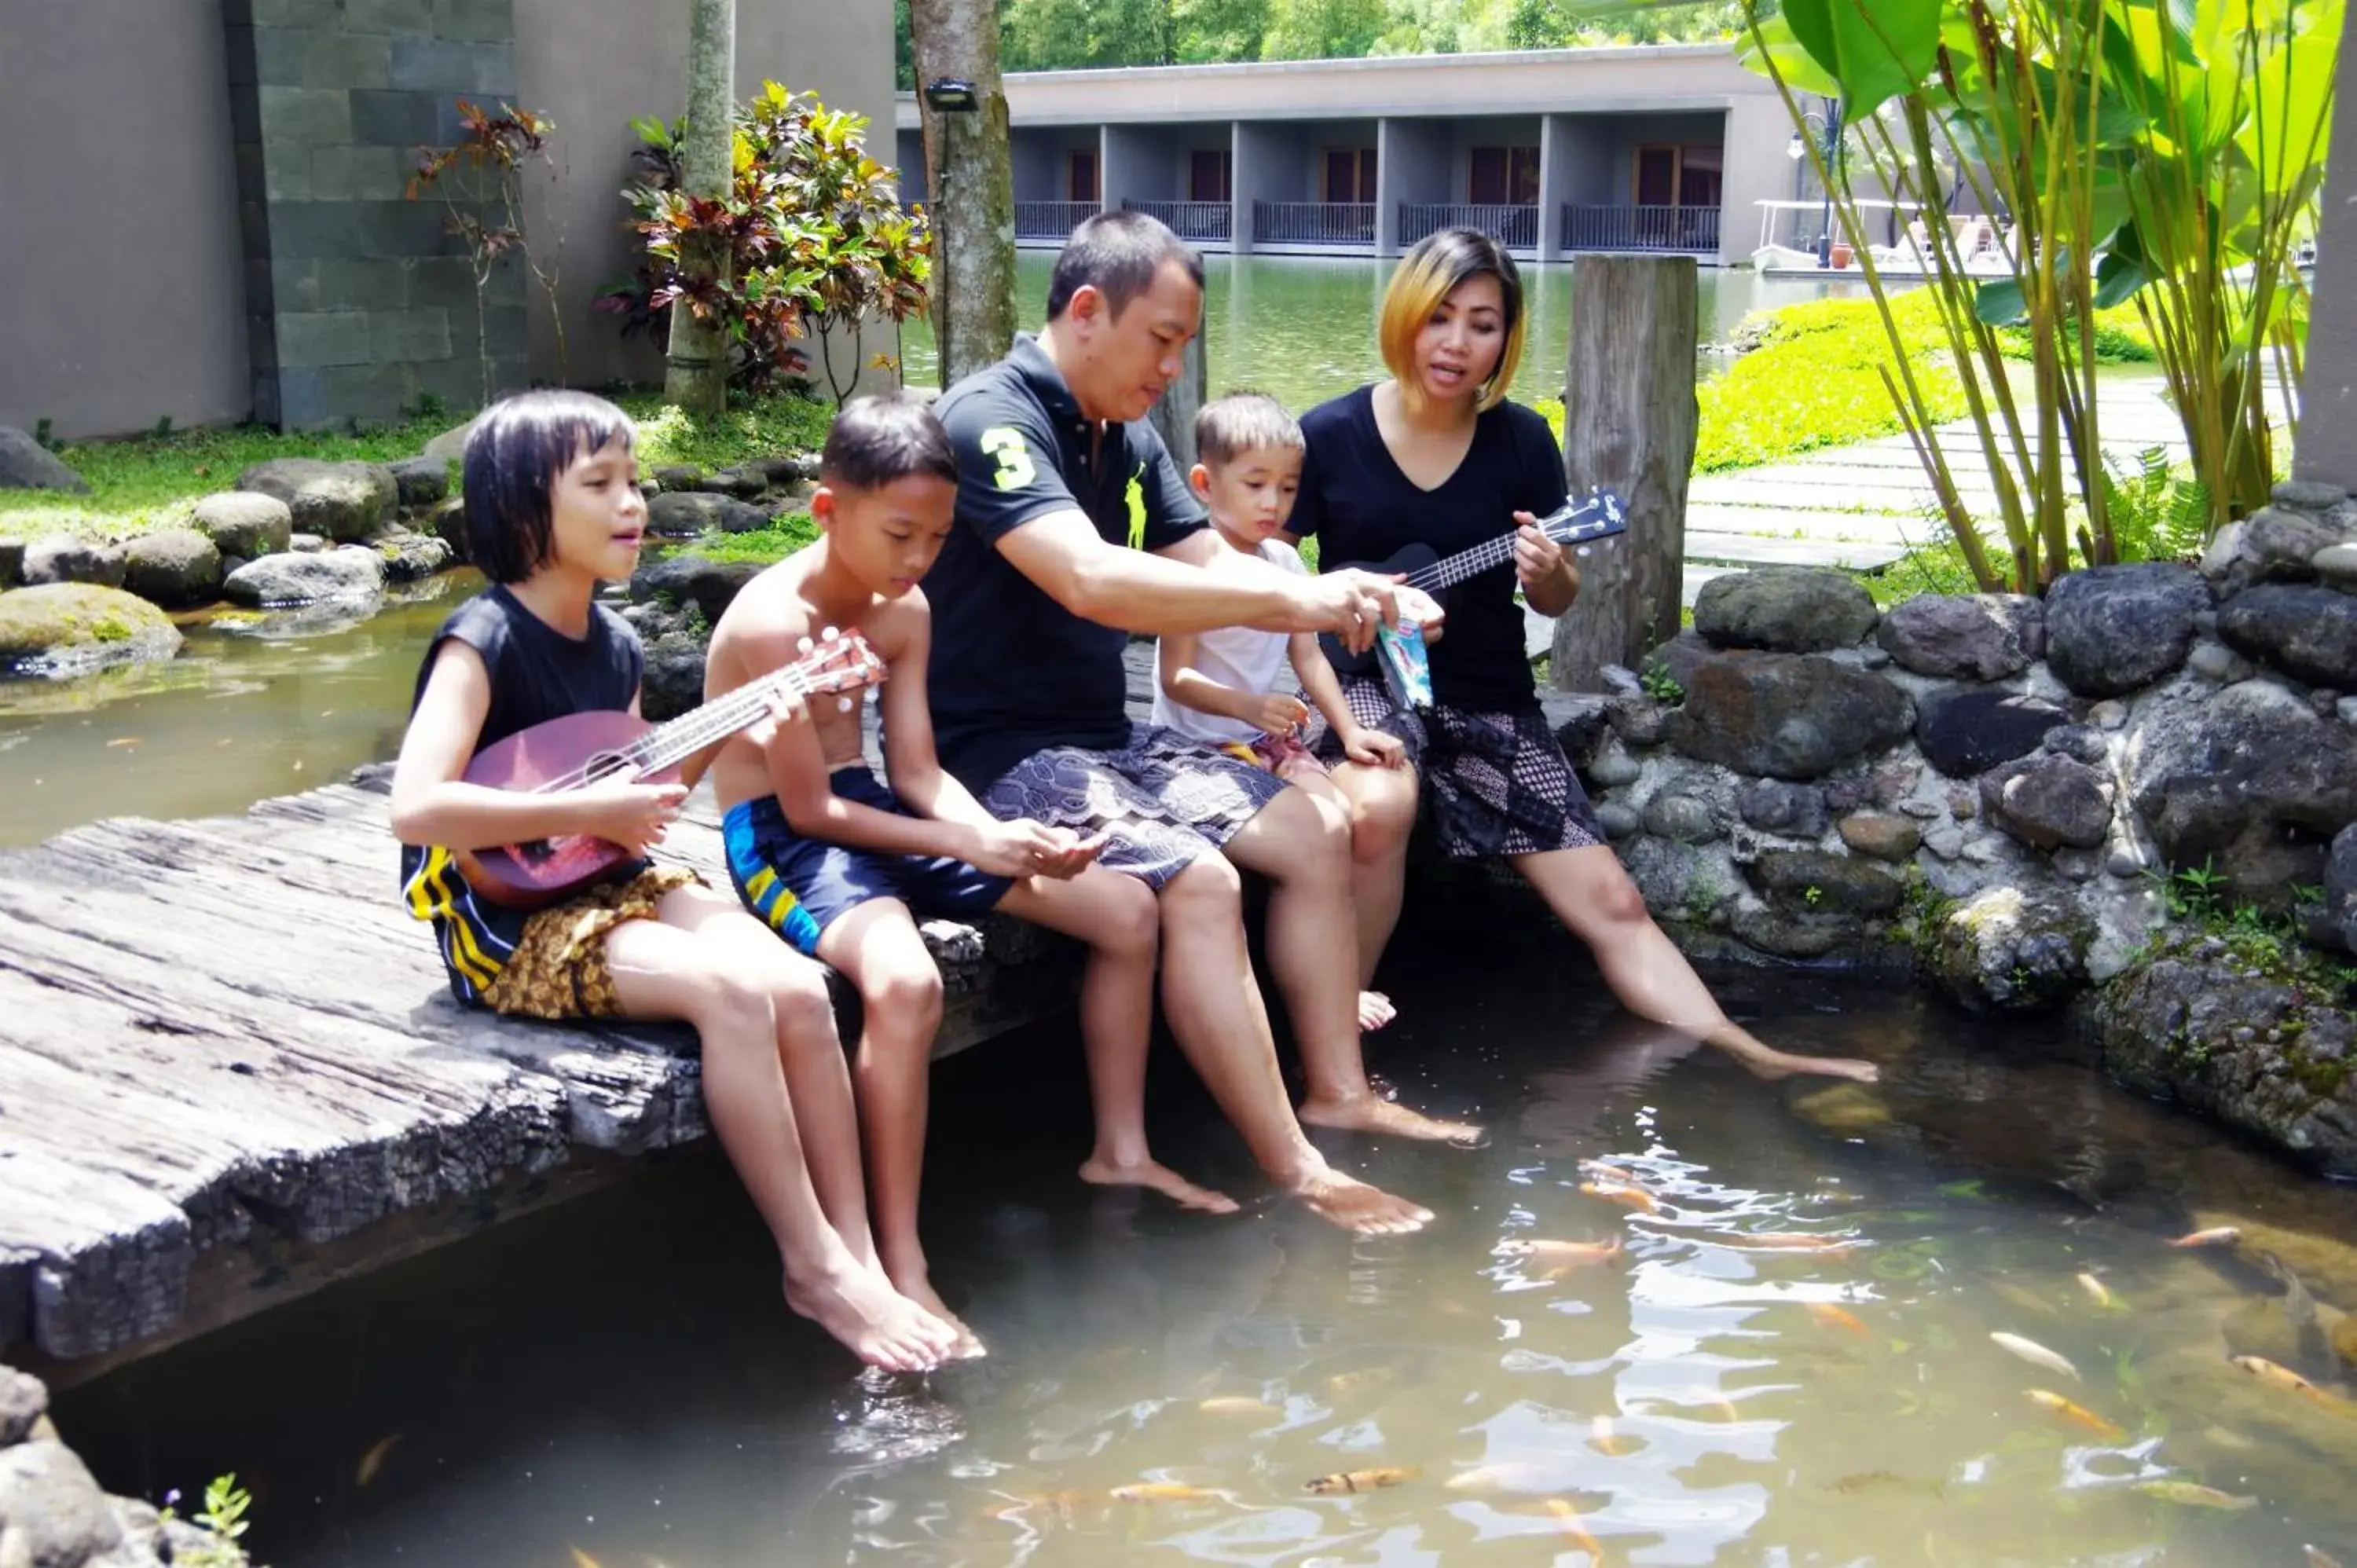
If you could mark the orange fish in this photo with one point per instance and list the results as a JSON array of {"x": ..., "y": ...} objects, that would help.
[
  {"x": 1786, "y": 1241},
  {"x": 1164, "y": 1492},
  {"x": 2077, "y": 1415},
  {"x": 1601, "y": 1434},
  {"x": 2292, "y": 1383},
  {"x": 1611, "y": 1172},
  {"x": 1062, "y": 1506},
  {"x": 1360, "y": 1480},
  {"x": 1574, "y": 1529},
  {"x": 1833, "y": 1316},
  {"x": 373, "y": 1460},
  {"x": 1635, "y": 1198},
  {"x": 2216, "y": 1236},
  {"x": 2097, "y": 1291},
  {"x": 1557, "y": 1259}
]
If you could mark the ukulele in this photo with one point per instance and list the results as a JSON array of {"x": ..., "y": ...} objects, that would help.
[
  {"x": 1598, "y": 516},
  {"x": 582, "y": 749}
]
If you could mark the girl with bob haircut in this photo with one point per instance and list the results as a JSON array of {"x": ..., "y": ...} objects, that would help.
[
  {"x": 552, "y": 510},
  {"x": 1439, "y": 455}
]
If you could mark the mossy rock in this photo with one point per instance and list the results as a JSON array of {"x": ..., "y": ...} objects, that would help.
[{"x": 63, "y": 627}]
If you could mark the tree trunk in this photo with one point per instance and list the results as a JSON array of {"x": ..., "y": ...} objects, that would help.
[
  {"x": 695, "y": 377},
  {"x": 1173, "y": 415},
  {"x": 968, "y": 158},
  {"x": 1629, "y": 425}
]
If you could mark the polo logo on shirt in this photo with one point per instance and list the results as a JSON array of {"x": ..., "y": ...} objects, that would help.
[
  {"x": 1137, "y": 498},
  {"x": 1014, "y": 469}
]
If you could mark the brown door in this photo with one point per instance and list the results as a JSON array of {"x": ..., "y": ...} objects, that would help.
[
  {"x": 1208, "y": 171},
  {"x": 1485, "y": 179},
  {"x": 1523, "y": 176},
  {"x": 1341, "y": 173},
  {"x": 1656, "y": 180},
  {"x": 1366, "y": 174},
  {"x": 1084, "y": 178},
  {"x": 1698, "y": 177}
]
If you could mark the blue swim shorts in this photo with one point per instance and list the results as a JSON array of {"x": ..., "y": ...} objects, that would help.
[{"x": 801, "y": 886}]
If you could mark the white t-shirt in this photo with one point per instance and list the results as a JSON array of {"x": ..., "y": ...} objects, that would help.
[{"x": 1238, "y": 658}]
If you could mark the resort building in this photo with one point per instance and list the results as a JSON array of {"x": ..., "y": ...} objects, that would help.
[{"x": 1662, "y": 147}]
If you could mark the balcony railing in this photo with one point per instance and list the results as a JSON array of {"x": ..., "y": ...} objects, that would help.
[
  {"x": 1516, "y": 228},
  {"x": 1313, "y": 223},
  {"x": 1683, "y": 229},
  {"x": 1051, "y": 219},
  {"x": 1205, "y": 222}
]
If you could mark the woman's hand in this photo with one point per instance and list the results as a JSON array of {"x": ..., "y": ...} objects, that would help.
[{"x": 1550, "y": 580}]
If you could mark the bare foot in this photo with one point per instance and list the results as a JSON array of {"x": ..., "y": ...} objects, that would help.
[
  {"x": 1371, "y": 1113},
  {"x": 1354, "y": 1206},
  {"x": 1156, "y": 1176},
  {"x": 1376, "y": 1010},
  {"x": 875, "y": 1323},
  {"x": 964, "y": 1345},
  {"x": 1765, "y": 1063}
]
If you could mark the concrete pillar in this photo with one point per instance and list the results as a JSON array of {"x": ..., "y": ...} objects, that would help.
[
  {"x": 1269, "y": 167},
  {"x": 1239, "y": 203},
  {"x": 1755, "y": 168},
  {"x": 2327, "y": 450},
  {"x": 1390, "y": 139},
  {"x": 1554, "y": 154},
  {"x": 1412, "y": 164},
  {"x": 1127, "y": 166}
]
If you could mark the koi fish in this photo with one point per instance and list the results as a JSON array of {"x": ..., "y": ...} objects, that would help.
[
  {"x": 1063, "y": 1507},
  {"x": 1833, "y": 1316},
  {"x": 1574, "y": 1529},
  {"x": 2097, "y": 1291},
  {"x": 1635, "y": 1198},
  {"x": 2037, "y": 1355},
  {"x": 2076, "y": 1415},
  {"x": 1360, "y": 1480},
  {"x": 1164, "y": 1492},
  {"x": 122, "y": 741},
  {"x": 1510, "y": 1476},
  {"x": 2320, "y": 1558},
  {"x": 2292, "y": 1383},
  {"x": 1559, "y": 1258},
  {"x": 1607, "y": 1441},
  {"x": 580, "y": 1558},
  {"x": 1354, "y": 1382},
  {"x": 1618, "y": 1174},
  {"x": 2216, "y": 1236},
  {"x": 373, "y": 1460},
  {"x": 1231, "y": 1405},
  {"x": 2028, "y": 1300},
  {"x": 1786, "y": 1241},
  {"x": 2191, "y": 1495}
]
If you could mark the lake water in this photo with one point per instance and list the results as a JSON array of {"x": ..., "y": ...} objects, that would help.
[
  {"x": 614, "y": 1383},
  {"x": 260, "y": 707}
]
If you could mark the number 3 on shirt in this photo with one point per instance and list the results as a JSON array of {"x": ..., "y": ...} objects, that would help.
[{"x": 1014, "y": 469}]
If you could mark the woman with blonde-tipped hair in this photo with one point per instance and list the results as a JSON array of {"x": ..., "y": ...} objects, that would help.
[{"x": 1439, "y": 455}]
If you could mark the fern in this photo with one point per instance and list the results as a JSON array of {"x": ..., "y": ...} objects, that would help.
[{"x": 2158, "y": 513}]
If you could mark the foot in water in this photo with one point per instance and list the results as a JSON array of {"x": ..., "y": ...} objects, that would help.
[
  {"x": 964, "y": 1343},
  {"x": 1376, "y": 1010},
  {"x": 1354, "y": 1206},
  {"x": 1156, "y": 1176},
  {"x": 877, "y": 1323},
  {"x": 1773, "y": 1063},
  {"x": 1373, "y": 1113}
]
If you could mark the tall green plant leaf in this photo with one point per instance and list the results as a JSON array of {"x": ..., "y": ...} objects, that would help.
[
  {"x": 1875, "y": 49},
  {"x": 1801, "y": 72}
]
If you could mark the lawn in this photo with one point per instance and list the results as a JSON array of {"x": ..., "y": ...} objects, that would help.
[{"x": 151, "y": 481}]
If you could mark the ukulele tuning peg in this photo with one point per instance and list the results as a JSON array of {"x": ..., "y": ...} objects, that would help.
[
  {"x": 828, "y": 632},
  {"x": 803, "y": 644},
  {"x": 842, "y": 704}
]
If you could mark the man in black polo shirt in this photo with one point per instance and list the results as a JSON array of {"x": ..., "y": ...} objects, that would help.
[{"x": 1074, "y": 529}]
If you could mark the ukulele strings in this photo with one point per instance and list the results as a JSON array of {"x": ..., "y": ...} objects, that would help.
[
  {"x": 688, "y": 735},
  {"x": 1482, "y": 557}
]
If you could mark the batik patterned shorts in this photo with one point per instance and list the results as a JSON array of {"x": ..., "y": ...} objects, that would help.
[
  {"x": 1498, "y": 783},
  {"x": 558, "y": 968},
  {"x": 1163, "y": 799}
]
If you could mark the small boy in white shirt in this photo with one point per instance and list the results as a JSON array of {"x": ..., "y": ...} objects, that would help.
[{"x": 1228, "y": 688}]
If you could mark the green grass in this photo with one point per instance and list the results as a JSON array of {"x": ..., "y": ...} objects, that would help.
[
  {"x": 781, "y": 538},
  {"x": 152, "y": 481}
]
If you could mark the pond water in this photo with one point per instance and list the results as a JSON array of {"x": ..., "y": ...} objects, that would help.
[
  {"x": 614, "y": 1383},
  {"x": 260, "y": 707}
]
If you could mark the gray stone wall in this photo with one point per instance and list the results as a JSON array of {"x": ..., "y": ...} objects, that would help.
[{"x": 359, "y": 302}]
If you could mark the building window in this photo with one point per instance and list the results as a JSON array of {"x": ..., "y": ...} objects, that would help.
[
  {"x": 1082, "y": 184},
  {"x": 1698, "y": 177},
  {"x": 1209, "y": 172},
  {"x": 1350, "y": 174},
  {"x": 1503, "y": 176},
  {"x": 1677, "y": 176}
]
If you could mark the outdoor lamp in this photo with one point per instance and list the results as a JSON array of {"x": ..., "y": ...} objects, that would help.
[
  {"x": 952, "y": 95},
  {"x": 1796, "y": 149}
]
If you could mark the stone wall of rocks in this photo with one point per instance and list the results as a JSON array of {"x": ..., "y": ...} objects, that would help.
[
  {"x": 53, "y": 1515},
  {"x": 1997, "y": 789}
]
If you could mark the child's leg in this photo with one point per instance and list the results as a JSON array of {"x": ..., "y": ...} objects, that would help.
[
  {"x": 1374, "y": 888},
  {"x": 878, "y": 948},
  {"x": 665, "y": 968},
  {"x": 1382, "y": 813},
  {"x": 1119, "y": 919}
]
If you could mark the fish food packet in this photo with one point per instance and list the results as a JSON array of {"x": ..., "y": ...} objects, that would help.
[{"x": 1408, "y": 666}]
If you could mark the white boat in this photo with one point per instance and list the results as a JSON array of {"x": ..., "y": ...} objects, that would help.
[{"x": 1984, "y": 241}]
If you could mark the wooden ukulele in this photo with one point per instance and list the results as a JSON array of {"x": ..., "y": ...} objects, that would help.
[
  {"x": 582, "y": 749},
  {"x": 1599, "y": 516}
]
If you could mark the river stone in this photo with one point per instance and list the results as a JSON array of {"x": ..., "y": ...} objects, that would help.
[
  {"x": 683, "y": 514},
  {"x": 2268, "y": 1054},
  {"x": 1616, "y": 820},
  {"x": 2336, "y": 564},
  {"x": 2112, "y": 630},
  {"x": 2218, "y": 664},
  {"x": 74, "y": 624},
  {"x": 307, "y": 543},
  {"x": 51, "y": 1510},
  {"x": 1796, "y": 933},
  {"x": 1844, "y": 884},
  {"x": 244, "y": 522},
  {"x": 447, "y": 522},
  {"x": 12, "y": 563},
  {"x": 348, "y": 572},
  {"x": 26, "y": 464},
  {"x": 22, "y": 1400},
  {"x": 1786, "y": 609},
  {"x": 63, "y": 558},
  {"x": 1612, "y": 767},
  {"x": 709, "y": 585},
  {"x": 2308, "y": 495},
  {"x": 2250, "y": 781},
  {"x": 1785, "y": 716},
  {"x": 743, "y": 482},
  {"x": 2009, "y": 948},
  {"x": 1972, "y": 636},
  {"x": 1966, "y": 730},
  {"x": 1796, "y": 811},
  {"x": 420, "y": 481},
  {"x": 1681, "y": 818},
  {"x": 674, "y": 683},
  {"x": 2047, "y": 801},
  {"x": 2080, "y": 743},
  {"x": 679, "y": 476},
  {"x": 1881, "y": 836},
  {"x": 1679, "y": 658},
  {"x": 410, "y": 557},
  {"x": 1581, "y": 724},
  {"x": 2278, "y": 545},
  {"x": 345, "y": 501},
  {"x": 450, "y": 446},
  {"x": 174, "y": 567},
  {"x": 2308, "y": 633},
  {"x": 2340, "y": 885},
  {"x": 1638, "y": 720}
]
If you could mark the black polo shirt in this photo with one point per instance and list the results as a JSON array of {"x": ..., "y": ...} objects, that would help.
[{"x": 1013, "y": 671}]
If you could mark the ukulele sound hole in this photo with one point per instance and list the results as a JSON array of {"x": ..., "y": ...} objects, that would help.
[
  {"x": 533, "y": 852},
  {"x": 604, "y": 766}
]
